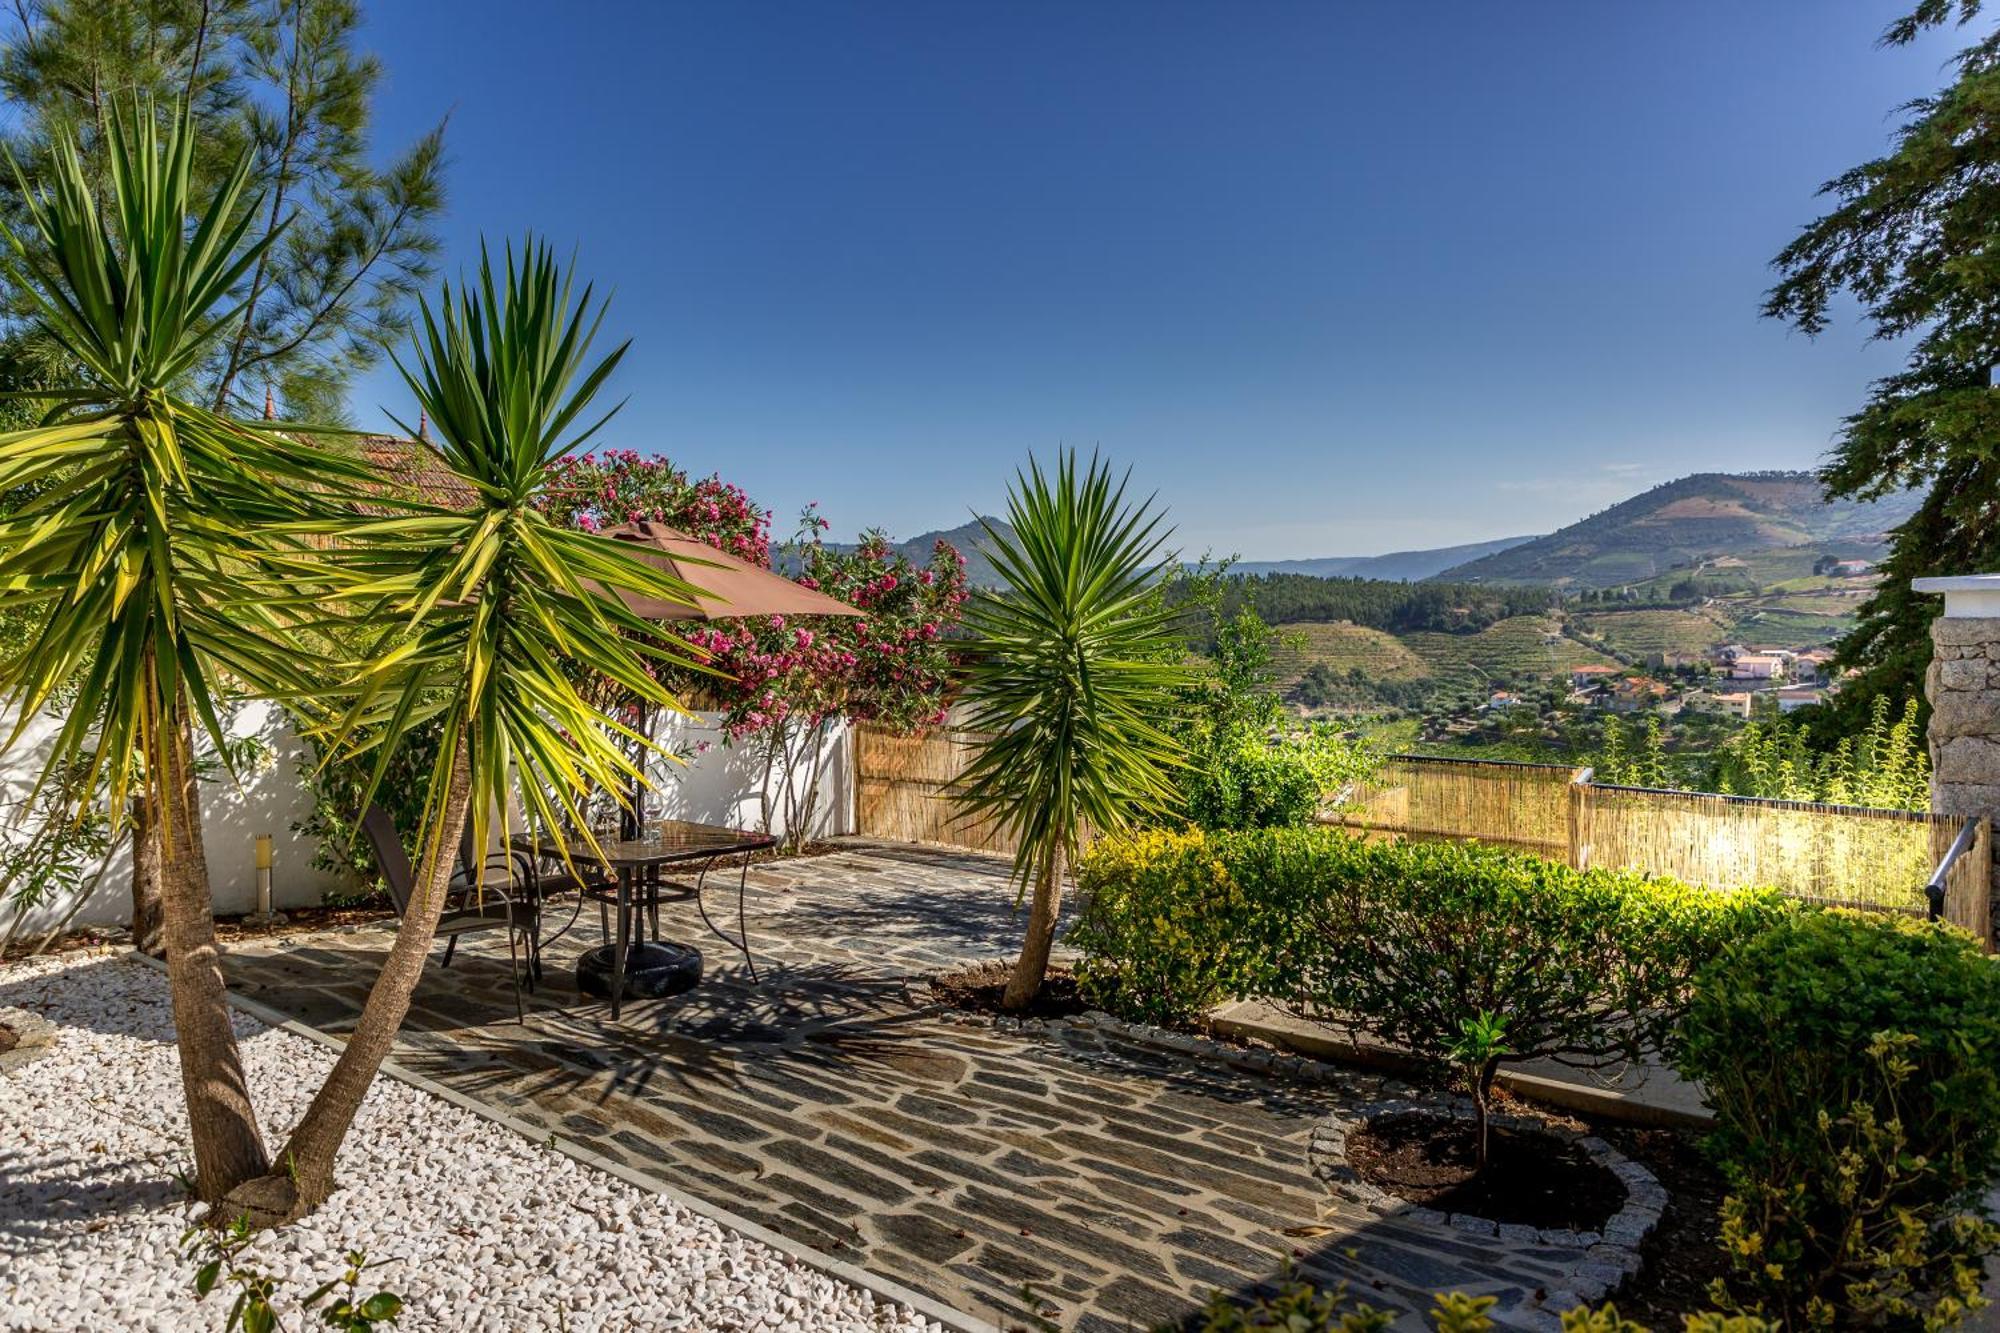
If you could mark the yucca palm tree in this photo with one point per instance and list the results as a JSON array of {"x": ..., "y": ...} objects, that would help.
[
  {"x": 1072, "y": 666},
  {"x": 493, "y": 623},
  {"x": 138, "y": 553}
]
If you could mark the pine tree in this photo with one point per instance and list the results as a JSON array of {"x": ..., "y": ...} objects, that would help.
[
  {"x": 285, "y": 77},
  {"x": 1909, "y": 238}
]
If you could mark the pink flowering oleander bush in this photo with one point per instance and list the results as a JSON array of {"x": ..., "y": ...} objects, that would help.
[
  {"x": 779, "y": 681},
  {"x": 788, "y": 677},
  {"x": 600, "y": 490}
]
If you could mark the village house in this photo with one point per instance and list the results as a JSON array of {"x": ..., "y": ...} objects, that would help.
[
  {"x": 1637, "y": 692},
  {"x": 1757, "y": 666},
  {"x": 1736, "y": 702},
  {"x": 1583, "y": 677}
]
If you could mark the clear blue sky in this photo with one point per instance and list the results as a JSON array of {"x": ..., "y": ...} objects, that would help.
[{"x": 1332, "y": 278}]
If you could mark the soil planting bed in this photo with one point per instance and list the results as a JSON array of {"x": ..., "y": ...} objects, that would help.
[
  {"x": 1531, "y": 1178},
  {"x": 1684, "y": 1253},
  {"x": 980, "y": 987}
]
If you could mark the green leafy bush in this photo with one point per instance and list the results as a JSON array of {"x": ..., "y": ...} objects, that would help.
[
  {"x": 1165, "y": 932},
  {"x": 1272, "y": 780},
  {"x": 1248, "y": 764},
  {"x": 1468, "y": 956},
  {"x": 340, "y": 792},
  {"x": 1423, "y": 944},
  {"x": 1299, "y": 1307},
  {"x": 1854, "y": 1066}
]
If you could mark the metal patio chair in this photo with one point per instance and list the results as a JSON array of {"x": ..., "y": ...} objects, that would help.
[{"x": 480, "y": 907}]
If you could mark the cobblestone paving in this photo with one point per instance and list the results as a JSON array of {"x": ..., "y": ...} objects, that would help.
[{"x": 1085, "y": 1178}]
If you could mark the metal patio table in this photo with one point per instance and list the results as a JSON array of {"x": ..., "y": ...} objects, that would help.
[{"x": 637, "y": 882}]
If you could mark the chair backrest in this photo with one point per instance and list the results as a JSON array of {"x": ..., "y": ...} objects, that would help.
[
  {"x": 471, "y": 865},
  {"x": 389, "y": 854}
]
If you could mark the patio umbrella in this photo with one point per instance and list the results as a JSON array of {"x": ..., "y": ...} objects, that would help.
[{"x": 727, "y": 589}]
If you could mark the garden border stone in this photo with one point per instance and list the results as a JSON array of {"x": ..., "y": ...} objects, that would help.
[{"x": 1604, "y": 1258}]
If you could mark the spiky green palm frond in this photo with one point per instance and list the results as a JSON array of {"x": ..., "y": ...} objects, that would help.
[
  {"x": 490, "y": 618},
  {"x": 1072, "y": 666},
  {"x": 141, "y": 549}
]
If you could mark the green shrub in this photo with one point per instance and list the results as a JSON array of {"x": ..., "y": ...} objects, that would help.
[
  {"x": 1165, "y": 933},
  {"x": 1449, "y": 948},
  {"x": 1256, "y": 779},
  {"x": 1854, "y": 1066},
  {"x": 1468, "y": 956},
  {"x": 1299, "y": 1307}
]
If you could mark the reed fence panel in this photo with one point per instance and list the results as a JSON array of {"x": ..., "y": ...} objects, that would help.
[
  {"x": 901, "y": 788},
  {"x": 1840, "y": 855},
  {"x": 1847, "y": 855},
  {"x": 1520, "y": 805}
]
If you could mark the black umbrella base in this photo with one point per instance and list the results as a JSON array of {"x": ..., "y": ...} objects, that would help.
[{"x": 653, "y": 971}]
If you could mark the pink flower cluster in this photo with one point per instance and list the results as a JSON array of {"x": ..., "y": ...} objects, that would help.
[
  {"x": 603, "y": 488},
  {"x": 892, "y": 665}
]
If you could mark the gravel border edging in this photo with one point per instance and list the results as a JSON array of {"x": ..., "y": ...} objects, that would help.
[{"x": 888, "y": 1290}]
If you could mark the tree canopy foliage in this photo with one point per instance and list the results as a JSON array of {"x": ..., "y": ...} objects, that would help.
[
  {"x": 351, "y": 241},
  {"x": 1910, "y": 238},
  {"x": 1399, "y": 608}
]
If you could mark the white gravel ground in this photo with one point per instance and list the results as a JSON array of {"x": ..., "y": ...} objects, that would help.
[{"x": 484, "y": 1229}]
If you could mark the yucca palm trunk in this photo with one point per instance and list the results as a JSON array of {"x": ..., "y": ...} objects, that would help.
[
  {"x": 228, "y": 1149},
  {"x": 148, "y": 935},
  {"x": 305, "y": 1168},
  {"x": 1043, "y": 911}
]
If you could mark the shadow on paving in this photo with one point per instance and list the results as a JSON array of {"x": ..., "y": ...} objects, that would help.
[{"x": 1061, "y": 1173}]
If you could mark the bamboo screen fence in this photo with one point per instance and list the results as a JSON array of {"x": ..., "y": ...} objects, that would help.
[
  {"x": 1519, "y": 805},
  {"x": 901, "y": 788},
  {"x": 1826, "y": 853}
]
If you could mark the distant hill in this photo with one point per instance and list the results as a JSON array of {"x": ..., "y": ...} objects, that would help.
[
  {"x": 1397, "y": 566},
  {"x": 970, "y": 539},
  {"x": 1708, "y": 516}
]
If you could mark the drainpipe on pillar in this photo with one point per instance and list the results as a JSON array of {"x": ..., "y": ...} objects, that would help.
[{"x": 1963, "y": 686}]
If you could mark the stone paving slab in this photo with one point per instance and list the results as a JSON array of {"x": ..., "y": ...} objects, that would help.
[{"x": 1016, "y": 1172}]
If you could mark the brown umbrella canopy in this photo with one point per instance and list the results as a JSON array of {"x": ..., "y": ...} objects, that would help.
[{"x": 729, "y": 587}]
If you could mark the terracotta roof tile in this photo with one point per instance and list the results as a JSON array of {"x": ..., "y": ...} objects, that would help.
[{"x": 412, "y": 468}]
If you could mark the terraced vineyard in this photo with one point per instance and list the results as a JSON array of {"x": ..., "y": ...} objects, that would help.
[
  {"x": 1778, "y": 626},
  {"x": 1342, "y": 645},
  {"x": 1521, "y": 645},
  {"x": 1643, "y": 633}
]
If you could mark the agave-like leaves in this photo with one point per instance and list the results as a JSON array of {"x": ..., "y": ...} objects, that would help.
[
  {"x": 143, "y": 547},
  {"x": 1072, "y": 666},
  {"x": 492, "y": 619}
]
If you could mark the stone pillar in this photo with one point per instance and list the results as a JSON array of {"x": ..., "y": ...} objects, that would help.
[{"x": 1963, "y": 686}]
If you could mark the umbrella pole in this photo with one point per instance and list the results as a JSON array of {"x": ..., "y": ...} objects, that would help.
[{"x": 634, "y": 819}]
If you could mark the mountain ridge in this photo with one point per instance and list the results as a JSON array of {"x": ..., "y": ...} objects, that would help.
[
  {"x": 1691, "y": 520},
  {"x": 1410, "y": 566},
  {"x": 1698, "y": 518}
]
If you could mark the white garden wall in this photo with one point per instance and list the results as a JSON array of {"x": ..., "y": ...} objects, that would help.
[
  {"x": 269, "y": 800},
  {"x": 719, "y": 785}
]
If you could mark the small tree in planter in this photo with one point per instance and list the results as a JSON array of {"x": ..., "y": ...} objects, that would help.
[
  {"x": 788, "y": 679},
  {"x": 1471, "y": 958}
]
